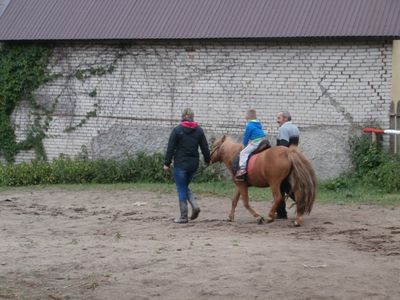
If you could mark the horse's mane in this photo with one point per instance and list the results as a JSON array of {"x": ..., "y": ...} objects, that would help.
[
  {"x": 231, "y": 140},
  {"x": 230, "y": 147}
]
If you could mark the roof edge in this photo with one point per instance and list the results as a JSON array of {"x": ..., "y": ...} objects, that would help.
[{"x": 178, "y": 40}]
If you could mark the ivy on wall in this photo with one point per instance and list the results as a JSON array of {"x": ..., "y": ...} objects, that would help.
[
  {"x": 89, "y": 114},
  {"x": 23, "y": 68}
]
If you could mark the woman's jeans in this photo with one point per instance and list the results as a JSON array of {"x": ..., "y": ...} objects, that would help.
[{"x": 182, "y": 180}]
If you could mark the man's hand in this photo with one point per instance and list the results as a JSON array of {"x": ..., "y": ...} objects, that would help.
[{"x": 166, "y": 168}]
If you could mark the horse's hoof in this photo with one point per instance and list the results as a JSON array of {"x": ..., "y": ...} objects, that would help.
[
  {"x": 270, "y": 220},
  {"x": 296, "y": 224},
  {"x": 260, "y": 220},
  {"x": 229, "y": 219}
]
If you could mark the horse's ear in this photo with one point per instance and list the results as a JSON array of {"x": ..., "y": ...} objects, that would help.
[
  {"x": 223, "y": 138},
  {"x": 212, "y": 140}
]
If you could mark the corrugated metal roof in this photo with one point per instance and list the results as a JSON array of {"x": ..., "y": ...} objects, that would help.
[
  {"x": 3, "y": 5},
  {"x": 197, "y": 19}
]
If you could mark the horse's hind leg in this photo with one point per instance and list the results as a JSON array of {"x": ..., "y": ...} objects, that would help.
[
  {"x": 235, "y": 200},
  {"x": 299, "y": 217},
  {"x": 243, "y": 189},
  {"x": 276, "y": 192}
]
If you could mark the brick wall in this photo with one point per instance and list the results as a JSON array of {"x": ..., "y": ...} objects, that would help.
[{"x": 123, "y": 98}]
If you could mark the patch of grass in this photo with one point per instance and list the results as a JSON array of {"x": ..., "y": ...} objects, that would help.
[
  {"x": 235, "y": 243},
  {"x": 357, "y": 193},
  {"x": 226, "y": 188},
  {"x": 7, "y": 293},
  {"x": 118, "y": 236},
  {"x": 73, "y": 242},
  {"x": 342, "y": 192},
  {"x": 152, "y": 187},
  {"x": 352, "y": 189}
]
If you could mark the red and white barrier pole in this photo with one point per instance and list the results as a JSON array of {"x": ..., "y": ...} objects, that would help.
[
  {"x": 381, "y": 131},
  {"x": 376, "y": 131}
]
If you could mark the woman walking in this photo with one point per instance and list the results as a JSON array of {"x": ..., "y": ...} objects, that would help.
[{"x": 183, "y": 149}]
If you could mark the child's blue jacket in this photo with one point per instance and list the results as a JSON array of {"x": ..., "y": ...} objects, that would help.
[{"x": 253, "y": 131}]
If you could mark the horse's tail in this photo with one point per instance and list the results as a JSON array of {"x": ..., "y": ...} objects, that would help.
[{"x": 303, "y": 181}]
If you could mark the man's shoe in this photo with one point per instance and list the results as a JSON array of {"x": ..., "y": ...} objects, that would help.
[
  {"x": 281, "y": 210},
  {"x": 283, "y": 216}
]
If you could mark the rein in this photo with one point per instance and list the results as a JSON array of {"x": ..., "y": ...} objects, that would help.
[{"x": 215, "y": 149}]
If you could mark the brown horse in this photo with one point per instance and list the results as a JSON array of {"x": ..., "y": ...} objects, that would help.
[{"x": 275, "y": 167}]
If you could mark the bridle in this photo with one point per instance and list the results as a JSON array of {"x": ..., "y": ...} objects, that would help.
[{"x": 215, "y": 149}]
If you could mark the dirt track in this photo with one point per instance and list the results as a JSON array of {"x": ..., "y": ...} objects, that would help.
[{"x": 59, "y": 244}]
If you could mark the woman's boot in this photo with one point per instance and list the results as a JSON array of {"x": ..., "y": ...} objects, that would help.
[
  {"x": 183, "y": 207},
  {"x": 195, "y": 206}
]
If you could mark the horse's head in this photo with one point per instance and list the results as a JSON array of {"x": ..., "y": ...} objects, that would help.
[{"x": 215, "y": 149}]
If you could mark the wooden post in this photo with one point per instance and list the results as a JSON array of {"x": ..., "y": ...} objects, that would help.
[
  {"x": 397, "y": 127},
  {"x": 374, "y": 137},
  {"x": 396, "y": 93}
]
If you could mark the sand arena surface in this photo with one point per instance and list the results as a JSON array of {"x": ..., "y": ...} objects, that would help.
[{"x": 122, "y": 244}]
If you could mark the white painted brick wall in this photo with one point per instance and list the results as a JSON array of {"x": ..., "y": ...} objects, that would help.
[{"x": 337, "y": 86}]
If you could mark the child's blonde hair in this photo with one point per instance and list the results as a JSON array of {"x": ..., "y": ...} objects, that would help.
[{"x": 251, "y": 114}]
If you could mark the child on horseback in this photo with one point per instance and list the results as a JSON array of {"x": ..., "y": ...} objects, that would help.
[{"x": 253, "y": 135}]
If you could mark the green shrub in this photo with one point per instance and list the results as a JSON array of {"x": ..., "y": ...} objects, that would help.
[
  {"x": 66, "y": 170},
  {"x": 337, "y": 184},
  {"x": 26, "y": 174},
  {"x": 374, "y": 167},
  {"x": 149, "y": 168},
  {"x": 209, "y": 173},
  {"x": 386, "y": 176},
  {"x": 365, "y": 154},
  {"x": 139, "y": 168},
  {"x": 105, "y": 171}
]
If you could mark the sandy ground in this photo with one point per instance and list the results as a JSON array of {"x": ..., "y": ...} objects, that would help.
[{"x": 121, "y": 244}]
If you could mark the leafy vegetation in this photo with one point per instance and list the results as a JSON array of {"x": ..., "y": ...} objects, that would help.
[
  {"x": 64, "y": 170},
  {"x": 374, "y": 170},
  {"x": 22, "y": 70}
]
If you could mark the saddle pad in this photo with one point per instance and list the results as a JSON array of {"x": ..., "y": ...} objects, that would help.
[
  {"x": 249, "y": 166},
  {"x": 251, "y": 162}
]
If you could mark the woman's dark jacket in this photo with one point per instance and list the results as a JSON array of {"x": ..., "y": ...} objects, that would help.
[{"x": 183, "y": 146}]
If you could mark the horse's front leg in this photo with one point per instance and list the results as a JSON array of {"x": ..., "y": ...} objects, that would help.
[
  {"x": 244, "y": 191},
  {"x": 235, "y": 199}
]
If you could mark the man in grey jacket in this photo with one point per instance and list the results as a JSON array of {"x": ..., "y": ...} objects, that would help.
[{"x": 288, "y": 135}]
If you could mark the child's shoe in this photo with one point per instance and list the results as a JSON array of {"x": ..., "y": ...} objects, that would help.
[{"x": 240, "y": 175}]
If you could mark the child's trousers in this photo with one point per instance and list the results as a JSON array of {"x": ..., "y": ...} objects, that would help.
[{"x": 244, "y": 154}]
